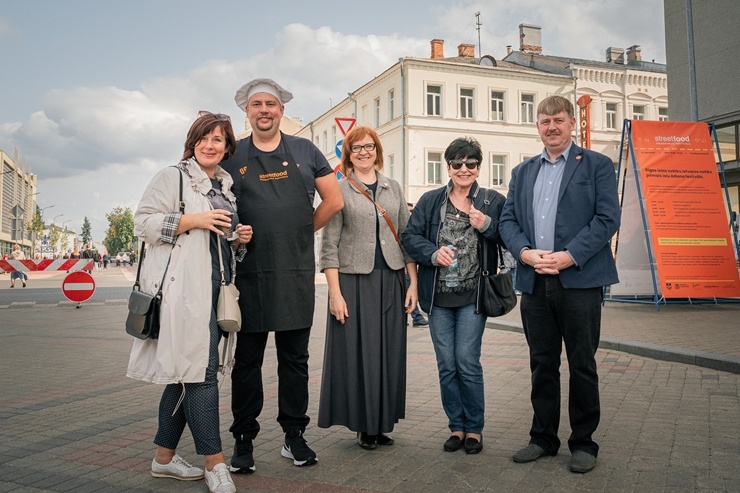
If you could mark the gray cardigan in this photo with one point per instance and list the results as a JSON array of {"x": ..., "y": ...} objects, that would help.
[{"x": 348, "y": 241}]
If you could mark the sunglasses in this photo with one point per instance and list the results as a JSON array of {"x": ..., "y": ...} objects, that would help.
[
  {"x": 218, "y": 116},
  {"x": 458, "y": 163}
]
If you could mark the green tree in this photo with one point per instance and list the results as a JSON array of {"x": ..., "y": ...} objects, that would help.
[
  {"x": 86, "y": 232},
  {"x": 65, "y": 239},
  {"x": 54, "y": 236},
  {"x": 36, "y": 227},
  {"x": 120, "y": 233}
]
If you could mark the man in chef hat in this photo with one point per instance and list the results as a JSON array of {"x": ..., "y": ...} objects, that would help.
[{"x": 275, "y": 180}]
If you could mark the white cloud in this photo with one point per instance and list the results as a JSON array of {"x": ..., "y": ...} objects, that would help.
[{"x": 95, "y": 148}]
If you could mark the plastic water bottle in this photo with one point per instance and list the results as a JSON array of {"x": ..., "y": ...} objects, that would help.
[{"x": 452, "y": 274}]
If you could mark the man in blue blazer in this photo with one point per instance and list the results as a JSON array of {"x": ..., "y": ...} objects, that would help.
[{"x": 561, "y": 211}]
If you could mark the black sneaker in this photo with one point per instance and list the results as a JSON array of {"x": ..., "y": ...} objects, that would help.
[
  {"x": 242, "y": 461},
  {"x": 297, "y": 449}
]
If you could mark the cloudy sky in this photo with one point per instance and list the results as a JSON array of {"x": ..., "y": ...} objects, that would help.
[{"x": 98, "y": 95}]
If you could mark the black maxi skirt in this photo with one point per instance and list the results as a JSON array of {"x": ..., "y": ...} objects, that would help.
[{"x": 363, "y": 386}]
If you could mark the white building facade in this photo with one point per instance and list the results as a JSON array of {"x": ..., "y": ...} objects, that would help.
[{"x": 418, "y": 106}]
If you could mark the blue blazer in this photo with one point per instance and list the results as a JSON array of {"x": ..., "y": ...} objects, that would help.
[{"x": 587, "y": 218}]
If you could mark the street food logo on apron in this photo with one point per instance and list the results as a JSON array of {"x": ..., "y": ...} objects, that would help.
[
  {"x": 242, "y": 170},
  {"x": 274, "y": 176}
]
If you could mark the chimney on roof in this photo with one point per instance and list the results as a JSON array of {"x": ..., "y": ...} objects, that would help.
[
  {"x": 530, "y": 38},
  {"x": 508, "y": 49},
  {"x": 438, "y": 48},
  {"x": 615, "y": 55},
  {"x": 466, "y": 50},
  {"x": 634, "y": 53}
]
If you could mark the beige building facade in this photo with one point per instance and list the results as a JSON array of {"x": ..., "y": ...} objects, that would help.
[{"x": 17, "y": 202}]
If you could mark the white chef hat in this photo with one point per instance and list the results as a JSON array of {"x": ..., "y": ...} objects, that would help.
[{"x": 261, "y": 85}]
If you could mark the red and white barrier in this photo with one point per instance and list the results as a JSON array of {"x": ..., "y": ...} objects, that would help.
[{"x": 28, "y": 265}]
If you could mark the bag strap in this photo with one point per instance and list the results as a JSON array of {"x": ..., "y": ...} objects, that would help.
[
  {"x": 484, "y": 264},
  {"x": 220, "y": 260},
  {"x": 377, "y": 206},
  {"x": 143, "y": 249}
]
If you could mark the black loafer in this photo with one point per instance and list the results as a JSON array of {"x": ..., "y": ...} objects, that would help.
[
  {"x": 473, "y": 446},
  {"x": 368, "y": 442},
  {"x": 453, "y": 444},
  {"x": 385, "y": 440}
]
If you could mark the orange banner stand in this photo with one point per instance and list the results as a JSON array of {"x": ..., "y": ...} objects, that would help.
[{"x": 675, "y": 243}]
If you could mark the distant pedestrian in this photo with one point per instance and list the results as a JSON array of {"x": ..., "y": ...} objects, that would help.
[
  {"x": 87, "y": 254},
  {"x": 417, "y": 318},
  {"x": 564, "y": 262},
  {"x": 17, "y": 274}
]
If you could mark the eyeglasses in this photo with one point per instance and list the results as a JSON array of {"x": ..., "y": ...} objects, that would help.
[
  {"x": 357, "y": 148},
  {"x": 218, "y": 116},
  {"x": 469, "y": 163}
]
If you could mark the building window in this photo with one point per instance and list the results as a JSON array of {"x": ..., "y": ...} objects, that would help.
[
  {"x": 611, "y": 116},
  {"x": 729, "y": 143},
  {"x": 434, "y": 168},
  {"x": 326, "y": 143},
  {"x": 434, "y": 100},
  {"x": 376, "y": 112},
  {"x": 527, "y": 108},
  {"x": 663, "y": 114},
  {"x": 316, "y": 141},
  {"x": 333, "y": 135},
  {"x": 391, "y": 104},
  {"x": 498, "y": 170},
  {"x": 466, "y": 103},
  {"x": 391, "y": 160},
  {"x": 497, "y": 106},
  {"x": 638, "y": 112}
]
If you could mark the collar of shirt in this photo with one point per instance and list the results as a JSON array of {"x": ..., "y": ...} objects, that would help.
[{"x": 544, "y": 156}]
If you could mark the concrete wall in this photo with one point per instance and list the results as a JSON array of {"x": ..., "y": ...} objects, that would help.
[{"x": 717, "y": 51}]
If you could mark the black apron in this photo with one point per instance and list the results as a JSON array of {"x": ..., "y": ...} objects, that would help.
[{"x": 276, "y": 277}]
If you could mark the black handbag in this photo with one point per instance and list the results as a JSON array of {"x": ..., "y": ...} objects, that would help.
[
  {"x": 143, "y": 308},
  {"x": 497, "y": 290},
  {"x": 143, "y": 314},
  {"x": 498, "y": 297}
]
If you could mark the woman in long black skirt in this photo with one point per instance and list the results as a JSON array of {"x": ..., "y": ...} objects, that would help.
[{"x": 363, "y": 386}]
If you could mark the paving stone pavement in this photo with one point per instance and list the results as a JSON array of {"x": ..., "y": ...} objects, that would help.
[{"x": 71, "y": 421}]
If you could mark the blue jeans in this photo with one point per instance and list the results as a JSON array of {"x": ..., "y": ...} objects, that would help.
[{"x": 456, "y": 334}]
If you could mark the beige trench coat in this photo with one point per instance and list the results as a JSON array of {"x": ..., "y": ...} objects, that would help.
[{"x": 180, "y": 355}]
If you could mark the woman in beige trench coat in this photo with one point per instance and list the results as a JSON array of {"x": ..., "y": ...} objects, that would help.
[{"x": 182, "y": 254}]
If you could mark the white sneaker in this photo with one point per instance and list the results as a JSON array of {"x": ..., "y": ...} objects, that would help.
[
  {"x": 219, "y": 480},
  {"x": 178, "y": 468}
]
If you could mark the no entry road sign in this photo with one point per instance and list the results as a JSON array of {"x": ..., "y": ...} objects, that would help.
[{"x": 78, "y": 286}]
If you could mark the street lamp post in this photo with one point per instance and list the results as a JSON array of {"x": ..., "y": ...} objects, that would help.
[
  {"x": 64, "y": 234},
  {"x": 42, "y": 211},
  {"x": 54, "y": 221}
]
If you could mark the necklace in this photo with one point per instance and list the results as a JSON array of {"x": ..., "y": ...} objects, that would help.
[{"x": 456, "y": 209}]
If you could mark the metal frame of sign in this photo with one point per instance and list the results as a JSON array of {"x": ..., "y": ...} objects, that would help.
[{"x": 657, "y": 297}]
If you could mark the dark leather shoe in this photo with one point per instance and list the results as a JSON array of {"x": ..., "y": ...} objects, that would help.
[
  {"x": 385, "y": 440},
  {"x": 454, "y": 443},
  {"x": 368, "y": 442},
  {"x": 473, "y": 446}
]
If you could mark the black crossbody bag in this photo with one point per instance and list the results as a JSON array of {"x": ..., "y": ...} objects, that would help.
[{"x": 143, "y": 308}]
